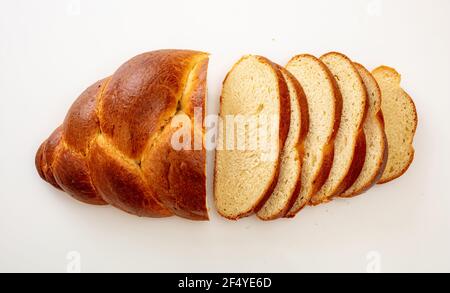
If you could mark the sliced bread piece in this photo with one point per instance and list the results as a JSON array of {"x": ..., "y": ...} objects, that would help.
[
  {"x": 376, "y": 142},
  {"x": 288, "y": 185},
  {"x": 400, "y": 117},
  {"x": 349, "y": 145},
  {"x": 245, "y": 175},
  {"x": 324, "y": 109}
]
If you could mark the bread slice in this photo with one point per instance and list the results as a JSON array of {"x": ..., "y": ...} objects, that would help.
[
  {"x": 246, "y": 174},
  {"x": 349, "y": 145},
  {"x": 376, "y": 142},
  {"x": 324, "y": 108},
  {"x": 401, "y": 122},
  {"x": 288, "y": 185}
]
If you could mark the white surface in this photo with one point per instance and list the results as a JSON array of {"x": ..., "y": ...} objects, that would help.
[{"x": 51, "y": 50}]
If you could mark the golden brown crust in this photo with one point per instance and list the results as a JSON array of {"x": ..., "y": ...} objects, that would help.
[
  {"x": 61, "y": 157},
  {"x": 410, "y": 100},
  {"x": 121, "y": 183},
  {"x": 142, "y": 96},
  {"x": 328, "y": 151},
  {"x": 45, "y": 156},
  {"x": 177, "y": 174},
  {"x": 39, "y": 161},
  {"x": 72, "y": 174},
  {"x": 96, "y": 155},
  {"x": 81, "y": 124},
  {"x": 80, "y": 127}
]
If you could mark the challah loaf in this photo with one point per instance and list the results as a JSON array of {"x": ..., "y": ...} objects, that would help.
[
  {"x": 401, "y": 122},
  {"x": 286, "y": 137},
  {"x": 255, "y": 118},
  {"x": 115, "y": 143}
]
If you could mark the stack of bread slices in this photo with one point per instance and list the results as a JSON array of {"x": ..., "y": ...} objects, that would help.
[{"x": 317, "y": 129}]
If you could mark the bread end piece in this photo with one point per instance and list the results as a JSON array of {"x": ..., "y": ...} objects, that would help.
[{"x": 400, "y": 116}]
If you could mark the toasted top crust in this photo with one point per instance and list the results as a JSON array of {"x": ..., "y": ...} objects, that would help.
[
  {"x": 104, "y": 151},
  {"x": 400, "y": 117}
]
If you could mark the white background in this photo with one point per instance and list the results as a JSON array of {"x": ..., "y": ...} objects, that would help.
[{"x": 51, "y": 50}]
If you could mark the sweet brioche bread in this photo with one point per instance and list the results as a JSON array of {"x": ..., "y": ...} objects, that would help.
[
  {"x": 401, "y": 122},
  {"x": 324, "y": 109},
  {"x": 288, "y": 185},
  {"x": 349, "y": 145},
  {"x": 376, "y": 142},
  {"x": 317, "y": 129},
  {"x": 245, "y": 173},
  {"x": 115, "y": 143}
]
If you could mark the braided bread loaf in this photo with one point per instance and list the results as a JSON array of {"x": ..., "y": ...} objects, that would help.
[{"x": 114, "y": 146}]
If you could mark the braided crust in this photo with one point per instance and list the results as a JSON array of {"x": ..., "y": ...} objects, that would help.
[{"x": 114, "y": 146}]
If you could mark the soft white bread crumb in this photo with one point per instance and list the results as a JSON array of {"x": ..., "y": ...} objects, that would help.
[
  {"x": 324, "y": 108},
  {"x": 287, "y": 188},
  {"x": 243, "y": 177}
]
